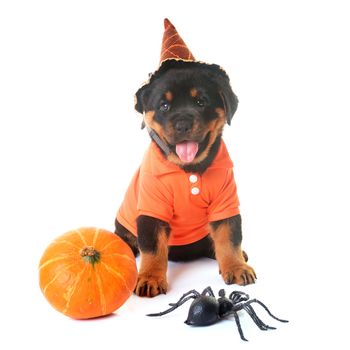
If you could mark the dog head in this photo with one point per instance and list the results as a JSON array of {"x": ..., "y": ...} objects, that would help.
[{"x": 187, "y": 105}]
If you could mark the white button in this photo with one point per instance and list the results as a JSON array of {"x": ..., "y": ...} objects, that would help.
[
  {"x": 194, "y": 190},
  {"x": 193, "y": 179}
]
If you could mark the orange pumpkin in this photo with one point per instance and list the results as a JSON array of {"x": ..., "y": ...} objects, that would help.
[{"x": 88, "y": 272}]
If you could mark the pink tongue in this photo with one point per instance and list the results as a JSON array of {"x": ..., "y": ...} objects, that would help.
[{"x": 187, "y": 151}]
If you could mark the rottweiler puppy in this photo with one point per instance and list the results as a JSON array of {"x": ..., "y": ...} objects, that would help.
[{"x": 182, "y": 202}]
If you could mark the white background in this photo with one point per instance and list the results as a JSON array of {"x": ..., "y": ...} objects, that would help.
[{"x": 70, "y": 142}]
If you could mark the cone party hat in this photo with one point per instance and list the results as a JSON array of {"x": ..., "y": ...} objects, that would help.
[
  {"x": 173, "y": 46},
  {"x": 174, "y": 54}
]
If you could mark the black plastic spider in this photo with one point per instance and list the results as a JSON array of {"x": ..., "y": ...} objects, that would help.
[{"x": 206, "y": 309}]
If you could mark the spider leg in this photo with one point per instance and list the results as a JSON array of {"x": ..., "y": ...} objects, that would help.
[
  {"x": 239, "y": 325},
  {"x": 238, "y": 296},
  {"x": 195, "y": 295},
  {"x": 187, "y": 296},
  {"x": 265, "y": 307},
  {"x": 183, "y": 301},
  {"x": 208, "y": 291},
  {"x": 251, "y": 312}
]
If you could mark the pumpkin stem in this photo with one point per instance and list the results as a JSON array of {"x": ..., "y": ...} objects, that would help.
[{"x": 90, "y": 255}]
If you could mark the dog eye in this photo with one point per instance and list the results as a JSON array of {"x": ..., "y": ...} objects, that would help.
[
  {"x": 164, "y": 107},
  {"x": 201, "y": 102}
]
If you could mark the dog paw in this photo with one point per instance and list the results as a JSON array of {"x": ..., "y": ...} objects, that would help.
[
  {"x": 150, "y": 286},
  {"x": 241, "y": 274}
]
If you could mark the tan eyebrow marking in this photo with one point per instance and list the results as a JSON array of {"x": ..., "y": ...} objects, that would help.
[
  {"x": 169, "y": 96},
  {"x": 194, "y": 92}
]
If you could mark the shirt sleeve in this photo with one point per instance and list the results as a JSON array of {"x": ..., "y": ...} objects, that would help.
[
  {"x": 154, "y": 198},
  {"x": 225, "y": 202}
]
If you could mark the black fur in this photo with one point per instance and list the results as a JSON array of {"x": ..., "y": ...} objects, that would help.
[
  {"x": 148, "y": 229},
  {"x": 214, "y": 90},
  {"x": 213, "y": 86},
  {"x": 235, "y": 223},
  {"x": 201, "y": 249},
  {"x": 127, "y": 237},
  {"x": 214, "y": 75}
]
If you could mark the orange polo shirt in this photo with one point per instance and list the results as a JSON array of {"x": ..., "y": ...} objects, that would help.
[{"x": 188, "y": 202}]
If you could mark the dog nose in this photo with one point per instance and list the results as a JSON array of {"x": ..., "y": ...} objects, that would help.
[{"x": 183, "y": 125}]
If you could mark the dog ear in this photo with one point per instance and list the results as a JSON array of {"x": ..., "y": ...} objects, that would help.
[
  {"x": 141, "y": 98},
  {"x": 229, "y": 100}
]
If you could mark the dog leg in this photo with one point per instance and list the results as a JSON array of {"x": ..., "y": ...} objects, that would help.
[
  {"x": 153, "y": 237},
  {"x": 127, "y": 237},
  {"x": 227, "y": 237}
]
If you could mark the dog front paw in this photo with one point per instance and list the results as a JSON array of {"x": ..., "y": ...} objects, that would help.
[
  {"x": 150, "y": 286},
  {"x": 241, "y": 274}
]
